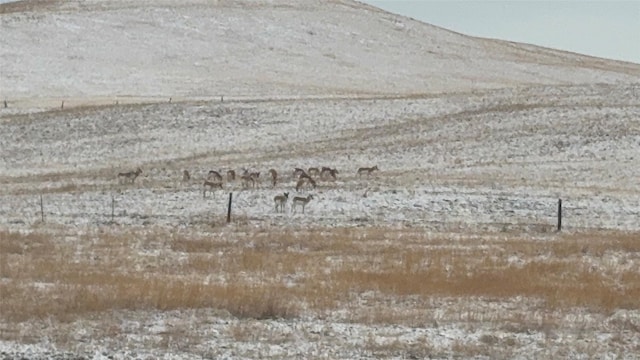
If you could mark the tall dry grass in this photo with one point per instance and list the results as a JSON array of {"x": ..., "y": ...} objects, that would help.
[{"x": 271, "y": 273}]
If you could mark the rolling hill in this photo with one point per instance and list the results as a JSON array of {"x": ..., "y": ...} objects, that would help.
[{"x": 102, "y": 50}]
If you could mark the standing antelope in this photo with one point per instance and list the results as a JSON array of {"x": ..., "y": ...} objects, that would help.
[
  {"x": 367, "y": 170},
  {"x": 313, "y": 171},
  {"x": 231, "y": 175},
  {"x": 328, "y": 172},
  {"x": 306, "y": 179},
  {"x": 274, "y": 176},
  {"x": 298, "y": 172},
  {"x": 185, "y": 176},
  {"x": 214, "y": 175},
  {"x": 300, "y": 201},
  {"x": 281, "y": 201},
  {"x": 247, "y": 180},
  {"x": 211, "y": 185},
  {"x": 256, "y": 178},
  {"x": 129, "y": 176}
]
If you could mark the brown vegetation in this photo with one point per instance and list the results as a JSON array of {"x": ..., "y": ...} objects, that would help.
[{"x": 247, "y": 275}]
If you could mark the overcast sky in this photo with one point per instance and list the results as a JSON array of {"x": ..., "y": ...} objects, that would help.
[{"x": 609, "y": 29}]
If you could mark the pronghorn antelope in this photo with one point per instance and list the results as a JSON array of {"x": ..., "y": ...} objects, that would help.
[
  {"x": 185, "y": 176},
  {"x": 274, "y": 176},
  {"x": 313, "y": 171},
  {"x": 300, "y": 201},
  {"x": 367, "y": 170},
  {"x": 299, "y": 172},
  {"x": 305, "y": 176},
  {"x": 214, "y": 175},
  {"x": 256, "y": 178},
  {"x": 328, "y": 172},
  {"x": 231, "y": 175},
  {"x": 129, "y": 176},
  {"x": 248, "y": 180},
  {"x": 211, "y": 185},
  {"x": 281, "y": 201},
  {"x": 305, "y": 180}
]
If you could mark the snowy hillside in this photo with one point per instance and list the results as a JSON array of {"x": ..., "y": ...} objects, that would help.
[{"x": 103, "y": 50}]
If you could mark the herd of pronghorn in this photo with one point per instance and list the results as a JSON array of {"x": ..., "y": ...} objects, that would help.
[{"x": 251, "y": 179}]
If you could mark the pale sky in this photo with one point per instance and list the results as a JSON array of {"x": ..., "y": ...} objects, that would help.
[{"x": 606, "y": 28}]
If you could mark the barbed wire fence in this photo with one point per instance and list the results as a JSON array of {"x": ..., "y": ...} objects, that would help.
[{"x": 543, "y": 214}]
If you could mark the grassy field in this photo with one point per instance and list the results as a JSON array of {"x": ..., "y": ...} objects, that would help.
[
  {"x": 501, "y": 287},
  {"x": 272, "y": 273}
]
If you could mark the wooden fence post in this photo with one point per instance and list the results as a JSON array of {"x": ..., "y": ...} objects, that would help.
[
  {"x": 559, "y": 214},
  {"x": 41, "y": 208},
  {"x": 229, "y": 208},
  {"x": 113, "y": 208}
]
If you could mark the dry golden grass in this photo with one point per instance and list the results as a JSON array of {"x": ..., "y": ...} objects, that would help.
[{"x": 271, "y": 273}]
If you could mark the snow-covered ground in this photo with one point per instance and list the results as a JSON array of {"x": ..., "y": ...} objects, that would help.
[
  {"x": 221, "y": 336},
  {"x": 98, "y": 51},
  {"x": 489, "y": 160},
  {"x": 471, "y": 136}
]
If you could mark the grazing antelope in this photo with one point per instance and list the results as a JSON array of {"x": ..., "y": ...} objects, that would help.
[
  {"x": 247, "y": 180},
  {"x": 305, "y": 176},
  {"x": 185, "y": 176},
  {"x": 129, "y": 176},
  {"x": 328, "y": 172},
  {"x": 281, "y": 201},
  {"x": 300, "y": 201},
  {"x": 214, "y": 175},
  {"x": 211, "y": 185},
  {"x": 231, "y": 176},
  {"x": 305, "y": 180},
  {"x": 274, "y": 176},
  {"x": 367, "y": 170},
  {"x": 298, "y": 172},
  {"x": 313, "y": 171}
]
